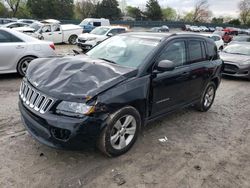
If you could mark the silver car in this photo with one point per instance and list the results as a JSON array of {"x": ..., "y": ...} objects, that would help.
[{"x": 17, "y": 50}]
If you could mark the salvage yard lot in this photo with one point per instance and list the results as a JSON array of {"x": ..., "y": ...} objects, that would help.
[{"x": 203, "y": 149}]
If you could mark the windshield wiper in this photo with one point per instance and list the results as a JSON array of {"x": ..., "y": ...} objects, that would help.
[{"x": 108, "y": 60}]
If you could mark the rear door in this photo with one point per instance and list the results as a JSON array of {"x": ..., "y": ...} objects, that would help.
[
  {"x": 200, "y": 67},
  {"x": 11, "y": 50}
]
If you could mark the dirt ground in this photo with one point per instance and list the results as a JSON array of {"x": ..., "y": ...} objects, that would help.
[{"x": 202, "y": 149}]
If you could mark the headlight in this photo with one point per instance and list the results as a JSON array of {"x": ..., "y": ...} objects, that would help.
[
  {"x": 91, "y": 39},
  {"x": 74, "y": 108}
]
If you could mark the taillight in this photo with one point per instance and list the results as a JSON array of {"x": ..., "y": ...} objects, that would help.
[{"x": 52, "y": 46}]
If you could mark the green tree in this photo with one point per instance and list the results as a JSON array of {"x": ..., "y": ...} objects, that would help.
[
  {"x": 84, "y": 9},
  {"x": 57, "y": 9},
  {"x": 3, "y": 10},
  {"x": 108, "y": 9},
  {"x": 169, "y": 14},
  {"x": 14, "y": 6},
  {"x": 244, "y": 7},
  {"x": 134, "y": 12},
  {"x": 217, "y": 20},
  {"x": 189, "y": 16},
  {"x": 234, "y": 22},
  {"x": 153, "y": 10}
]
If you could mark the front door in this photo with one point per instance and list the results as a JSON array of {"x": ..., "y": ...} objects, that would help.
[{"x": 169, "y": 88}]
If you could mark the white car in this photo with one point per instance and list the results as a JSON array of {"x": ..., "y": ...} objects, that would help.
[
  {"x": 195, "y": 29},
  {"x": 17, "y": 50},
  {"x": 87, "y": 41},
  {"x": 14, "y": 25},
  {"x": 217, "y": 39},
  {"x": 51, "y": 30}
]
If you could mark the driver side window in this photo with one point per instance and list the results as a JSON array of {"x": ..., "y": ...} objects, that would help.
[{"x": 175, "y": 52}]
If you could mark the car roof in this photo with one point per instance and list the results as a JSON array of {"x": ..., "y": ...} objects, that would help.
[{"x": 162, "y": 36}]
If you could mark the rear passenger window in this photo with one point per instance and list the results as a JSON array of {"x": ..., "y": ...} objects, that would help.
[
  {"x": 196, "y": 49},
  {"x": 7, "y": 37}
]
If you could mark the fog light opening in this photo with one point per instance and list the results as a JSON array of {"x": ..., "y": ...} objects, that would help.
[{"x": 60, "y": 134}]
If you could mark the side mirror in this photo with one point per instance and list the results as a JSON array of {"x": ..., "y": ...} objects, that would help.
[
  {"x": 110, "y": 34},
  {"x": 165, "y": 65}
]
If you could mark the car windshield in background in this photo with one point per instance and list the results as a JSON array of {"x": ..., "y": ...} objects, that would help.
[
  {"x": 35, "y": 26},
  {"x": 241, "y": 39},
  {"x": 129, "y": 51},
  {"x": 100, "y": 31},
  {"x": 238, "y": 49}
]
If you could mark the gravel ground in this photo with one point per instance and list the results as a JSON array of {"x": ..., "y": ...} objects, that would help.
[{"x": 203, "y": 149}]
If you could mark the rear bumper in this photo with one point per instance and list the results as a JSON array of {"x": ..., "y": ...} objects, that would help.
[
  {"x": 62, "y": 132},
  {"x": 231, "y": 69}
]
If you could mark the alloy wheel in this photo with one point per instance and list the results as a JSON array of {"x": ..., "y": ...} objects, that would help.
[{"x": 123, "y": 132}]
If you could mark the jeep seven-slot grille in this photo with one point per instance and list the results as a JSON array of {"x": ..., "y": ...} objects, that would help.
[{"x": 35, "y": 99}]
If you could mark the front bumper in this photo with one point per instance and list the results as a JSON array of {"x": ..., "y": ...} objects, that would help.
[
  {"x": 233, "y": 69},
  {"x": 60, "y": 131},
  {"x": 84, "y": 46}
]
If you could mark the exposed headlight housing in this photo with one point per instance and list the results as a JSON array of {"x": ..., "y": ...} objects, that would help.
[{"x": 74, "y": 108}]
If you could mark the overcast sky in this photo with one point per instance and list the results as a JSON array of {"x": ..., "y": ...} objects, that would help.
[{"x": 218, "y": 7}]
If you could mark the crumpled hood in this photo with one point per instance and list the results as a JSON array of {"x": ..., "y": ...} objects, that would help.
[
  {"x": 75, "y": 78},
  {"x": 234, "y": 58}
]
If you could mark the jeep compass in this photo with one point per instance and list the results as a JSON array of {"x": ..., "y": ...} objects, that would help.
[{"x": 104, "y": 97}]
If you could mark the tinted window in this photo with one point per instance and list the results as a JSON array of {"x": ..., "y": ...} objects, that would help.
[
  {"x": 97, "y": 24},
  {"x": 212, "y": 51},
  {"x": 176, "y": 52},
  {"x": 7, "y": 37},
  {"x": 195, "y": 51}
]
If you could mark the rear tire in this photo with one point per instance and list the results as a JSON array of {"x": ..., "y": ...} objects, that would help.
[
  {"x": 72, "y": 39},
  {"x": 120, "y": 133},
  {"x": 207, "y": 98},
  {"x": 23, "y": 65}
]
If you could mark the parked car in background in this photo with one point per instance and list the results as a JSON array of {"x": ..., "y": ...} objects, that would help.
[
  {"x": 89, "y": 24},
  {"x": 195, "y": 29},
  {"x": 219, "y": 28},
  {"x": 27, "y": 21},
  {"x": 87, "y": 41},
  {"x": 6, "y": 20},
  {"x": 163, "y": 28},
  {"x": 14, "y": 25},
  {"x": 186, "y": 27},
  {"x": 18, "y": 50},
  {"x": 211, "y": 29},
  {"x": 236, "y": 59},
  {"x": 204, "y": 29},
  {"x": 217, "y": 39},
  {"x": 108, "y": 95},
  {"x": 241, "y": 38},
  {"x": 226, "y": 37},
  {"x": 231, "y": 31},
  {"x": 52, "y": 30}
]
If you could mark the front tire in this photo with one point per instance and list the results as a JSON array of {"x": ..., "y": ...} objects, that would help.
[
  {"x": 23, "y": 65},
  {"x": 121, "y": 132},
  {"x": 207, "y": 98}
]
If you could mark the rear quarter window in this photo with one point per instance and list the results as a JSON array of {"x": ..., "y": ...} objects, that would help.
[{"x": 212, "y": 51}]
